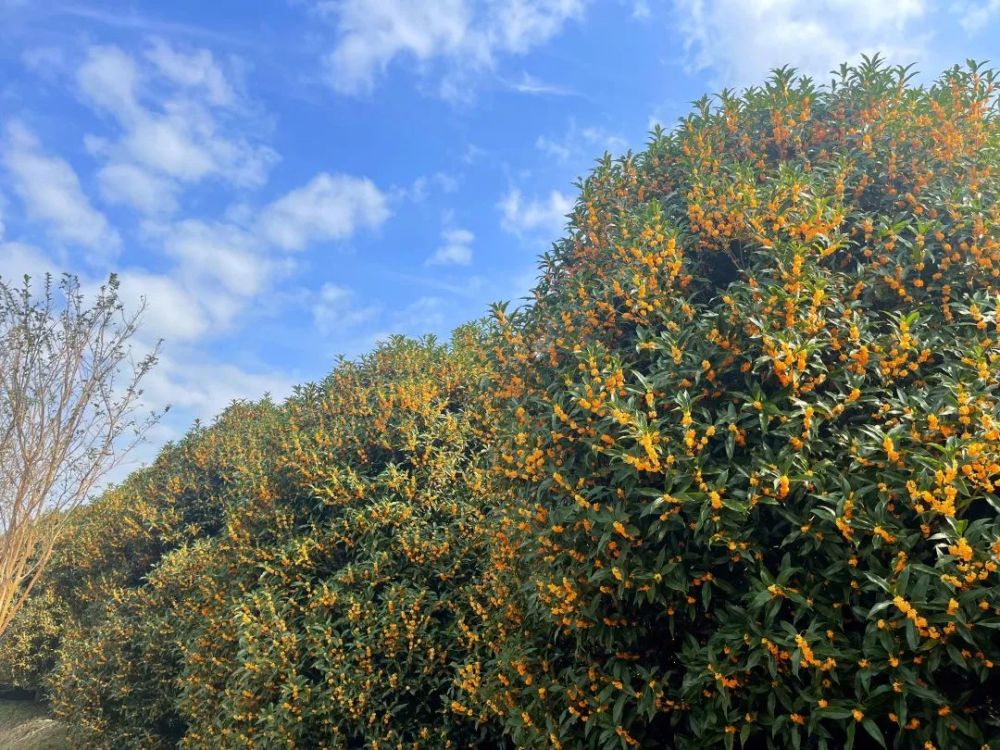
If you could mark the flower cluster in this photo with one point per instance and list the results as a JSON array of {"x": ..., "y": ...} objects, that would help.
[
  {"x": 732, "y": 477},
  {"x": 753, "y": 430}
]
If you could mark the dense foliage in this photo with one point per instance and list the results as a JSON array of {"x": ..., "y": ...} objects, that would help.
[
  {"x": 112, "y": 543},
  {"x": 756, "y": 430},
  {"x": 730, "y": 479},
  {"x": 317, "y": 565}
]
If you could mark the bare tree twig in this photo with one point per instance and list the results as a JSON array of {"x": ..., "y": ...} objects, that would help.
[{"x": 69, "y": 392}]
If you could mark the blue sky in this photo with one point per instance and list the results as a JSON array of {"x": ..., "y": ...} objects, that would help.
[{"x": 287, "y": 181}]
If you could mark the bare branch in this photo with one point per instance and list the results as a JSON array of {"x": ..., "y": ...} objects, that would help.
[{"x": 69, "y": 391}]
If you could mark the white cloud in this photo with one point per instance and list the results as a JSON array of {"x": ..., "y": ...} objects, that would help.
[
  {"x": 203, "y": 389},
  {"x": 558, "y": 149},
  {"x": 520, "y": 25},
  {"x": 420, "y": 188},
  {"x": 417, "y": 192},
  {"x": 580, "y": 144},
  {"x": 371, "y": 34},
  {"x": 194, "y": 70},
  {"x": 741, "y": 40},
  {"x": 473, "y": 154},
  {"x": 177, "y": 114},
  {"x": 166, "y": 145},
  {"x": 51, "y": 192},
  {"x": 108, "y": 78},
  {"x": 18, "y": 259},
  {"x": 221, "y": 265},
  {"x": 172, "y": 312},
  {"x": 130, "y": 185},
  {"x": 641, "y": 10},
  {"x": 219, "y": 256},
  {"x": 973, "y": 16},
  {"x": 225, "y": 264},
  {"x": 447, "y": 182},
  {"x": 335, "y": 309},
  {"x": 547, "y": 216},
  {"x": 329, "y": 207},
  {"x": 529, "y": 84},
  {"x": 468, "y": 35},
  {"x": 455, "y": 250}
]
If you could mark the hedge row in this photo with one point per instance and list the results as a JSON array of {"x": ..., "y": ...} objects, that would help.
[{"x": 729, "y": 480}]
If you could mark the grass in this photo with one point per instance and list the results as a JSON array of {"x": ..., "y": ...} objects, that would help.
[{"x": 25, "y": 725}]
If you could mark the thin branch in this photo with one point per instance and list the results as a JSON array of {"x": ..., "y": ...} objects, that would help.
[{"x": 69, "y": 390}]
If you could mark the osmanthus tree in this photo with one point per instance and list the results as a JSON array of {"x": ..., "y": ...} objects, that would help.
[
  {"x": 349, "y": 619},
  {"x": 109, "y": 668},
  {"x": 753, "y": 425},
  {"x": 338, "y": 601},
  {"x": 69, "y": 392},
  {"x": 730, "y": 479}
]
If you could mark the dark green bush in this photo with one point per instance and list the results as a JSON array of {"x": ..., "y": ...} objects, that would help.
[
  {"x": 730, "y": 479},
  {"x": 332, "y": 601},
  {"x": 755, "y": 431}
]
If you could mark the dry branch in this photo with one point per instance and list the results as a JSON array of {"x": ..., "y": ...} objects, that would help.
[{"x": 69, "y": 391}]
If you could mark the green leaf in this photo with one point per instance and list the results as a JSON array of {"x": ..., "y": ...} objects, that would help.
[
  {"x": 835, "y": 713},
  {"x": 956, "y": 656},
  {"x": 873, "y": 731}
]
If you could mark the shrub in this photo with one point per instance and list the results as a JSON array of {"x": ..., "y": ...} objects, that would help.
[
  {"x": 755, "y": 435},
  {"x": 330, "y": 603},
  {"x": 30, "y": 645},
  {"x": 89, "y": 595},
  {"x": 731, "y": 477},
  {"x": 348, "y": 627}
]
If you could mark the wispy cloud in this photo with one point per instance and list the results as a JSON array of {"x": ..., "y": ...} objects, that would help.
[
  {"x": 328, "y": 207},
  {"x": 974, "y": 16},
  {"x": 641, "y": 10},
  {"x": 179, "y": 119},
  {"x": 129, "y": 19},
  {"x": 51, "y": 193},
  {"x": 528, "y": 84},
  {"x": 456, "y": 248},
  {"x": 18, "y": 259},
  {"x": 739, "y": 41},
  {"x": 460, "y": 36},
  {"x": 227, "y": 263},
  {"x": 122, "y": 183},
  {"x": 469, "y": 288},
  {"x": 546, "y": 216},
  {"x": 580, "y": 144}
]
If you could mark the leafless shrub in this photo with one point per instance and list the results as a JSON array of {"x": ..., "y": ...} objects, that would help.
[{"x": 69, "y": 392}]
